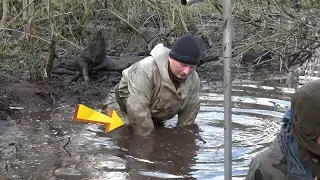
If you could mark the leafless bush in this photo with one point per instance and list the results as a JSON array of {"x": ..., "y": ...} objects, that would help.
[
  {"x": 284, "y": 30},
  {"x": 288, "y": 30}
]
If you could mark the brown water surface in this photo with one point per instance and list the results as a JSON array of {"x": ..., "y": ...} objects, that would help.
[{"x": 50, "y": 145}]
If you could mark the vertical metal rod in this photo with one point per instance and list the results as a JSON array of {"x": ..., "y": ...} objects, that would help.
[{"x": 227, "y": 52}]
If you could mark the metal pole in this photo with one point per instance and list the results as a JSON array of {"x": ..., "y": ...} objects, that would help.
[{"x": 227, "y": 51}]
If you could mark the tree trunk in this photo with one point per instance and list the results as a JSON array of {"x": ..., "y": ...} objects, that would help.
[
  {"x": 52, "y": 56},
  {"x": 25, "y": 10},
  {"x": 31, "y": 9},
  {"x": 5, "y": 13}
]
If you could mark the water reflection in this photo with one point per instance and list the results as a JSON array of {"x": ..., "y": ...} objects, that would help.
[
  {"x": 195, "y": 152},
  {"x": 167, "y": 153}
]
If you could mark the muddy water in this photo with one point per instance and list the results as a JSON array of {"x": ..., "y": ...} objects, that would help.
[{"x": 50, "y": 145}]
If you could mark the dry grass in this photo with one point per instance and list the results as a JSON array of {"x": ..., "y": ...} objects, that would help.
[{"x": 284, "y": 27}]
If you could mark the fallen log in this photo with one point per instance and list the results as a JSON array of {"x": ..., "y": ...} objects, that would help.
[
  {"x": 93, "y": 58},
  {"x": 63, "y": 71},
  {"x": 112, "y": 63},
  {"x": 118, "y": 64}
]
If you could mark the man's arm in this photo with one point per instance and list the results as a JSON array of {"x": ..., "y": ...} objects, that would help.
[
  {"x": 140, "y": 93},
  {"x": 254, "y": 173},
  {"x": 188, "y": 115}
]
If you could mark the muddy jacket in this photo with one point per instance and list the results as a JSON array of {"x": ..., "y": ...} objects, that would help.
[
  {"x": 149, "y": 94},
  {"x": 281, "y": 160}
]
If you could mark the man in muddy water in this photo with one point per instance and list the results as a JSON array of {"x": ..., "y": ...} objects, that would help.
[
  {"x": 295, "y": 152},
  {"x": 160, "y": 86}
]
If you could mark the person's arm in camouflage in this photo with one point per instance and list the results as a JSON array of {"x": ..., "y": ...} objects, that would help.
[
  {"x": 188, "y": 115},
  {"x": 254, "y": 172},
  {"x": 138, "y": 112}
]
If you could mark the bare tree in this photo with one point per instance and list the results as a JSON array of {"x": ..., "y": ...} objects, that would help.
[
  {"x": 284, "y": 31},
  {"x": 25, "y": 10},
  {"x": 5, "y": 13},
  {"x": 52, "y": 46}
]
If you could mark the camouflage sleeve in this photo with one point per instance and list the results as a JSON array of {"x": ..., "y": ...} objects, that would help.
[
  {"x": 188, "y": 115},
  {"x": 140, "y": 92},
  {"x": 254, "y": 172}
]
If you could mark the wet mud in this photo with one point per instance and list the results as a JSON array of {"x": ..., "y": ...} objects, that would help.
[{"x": 43, "y": 142}]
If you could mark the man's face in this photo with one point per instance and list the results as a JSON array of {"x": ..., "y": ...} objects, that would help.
[
  {"x": 181, "y": 70},
  {"x": 318, "y": 140}
]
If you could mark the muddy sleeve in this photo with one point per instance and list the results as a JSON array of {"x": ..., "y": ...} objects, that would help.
[
  {"x": 268, "y": 164},
  {"x": 254, "y": 172},
  {"x": 188, "y": 115},
  {"x": 138, "y": 103}
]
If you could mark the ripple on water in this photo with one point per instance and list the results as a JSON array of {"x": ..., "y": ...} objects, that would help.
[
  {"x": 167, "y": 154},
  {"x": 255, "y": 123}
]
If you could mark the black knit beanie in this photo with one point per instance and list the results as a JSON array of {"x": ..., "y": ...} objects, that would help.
[{"x": 186, "y": 50}]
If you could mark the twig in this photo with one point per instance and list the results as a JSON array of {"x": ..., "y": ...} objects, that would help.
[
  {"x": 68, "y": 142},
  {"x": 54, "y": 101},
  {"x": 9, "y": 29},
  {"x": 16, "y": 108},
  {"x": 13, "y": 19},
  {"x": 259, "y": 58},
  {"x": 62, "y": 14},
  {"x": 148, "y": 19},
  {"x": 135, "y": 29},
  {"x": 11, "y": 144},
  {"x": 75, "y": 45},
  {"x": 264, "y": 62},
  {"x": 292, "y": 17},
  {"x": 249, "y": 21}
]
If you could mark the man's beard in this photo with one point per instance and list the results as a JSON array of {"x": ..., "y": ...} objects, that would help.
[
  {"x": 174, "y": 77},
  {"x": 179, "y": 79}
]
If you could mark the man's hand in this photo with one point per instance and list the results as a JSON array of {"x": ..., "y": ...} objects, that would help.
[{"x": 142, "y": 128}]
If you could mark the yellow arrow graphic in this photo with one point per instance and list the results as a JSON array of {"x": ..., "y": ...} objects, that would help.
[{"x": 85, "y": 114}]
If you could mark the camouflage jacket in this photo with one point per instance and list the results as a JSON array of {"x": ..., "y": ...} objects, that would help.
[
  {"x": 148, "y": 93},
  {"x": 281, "y": 160}
]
